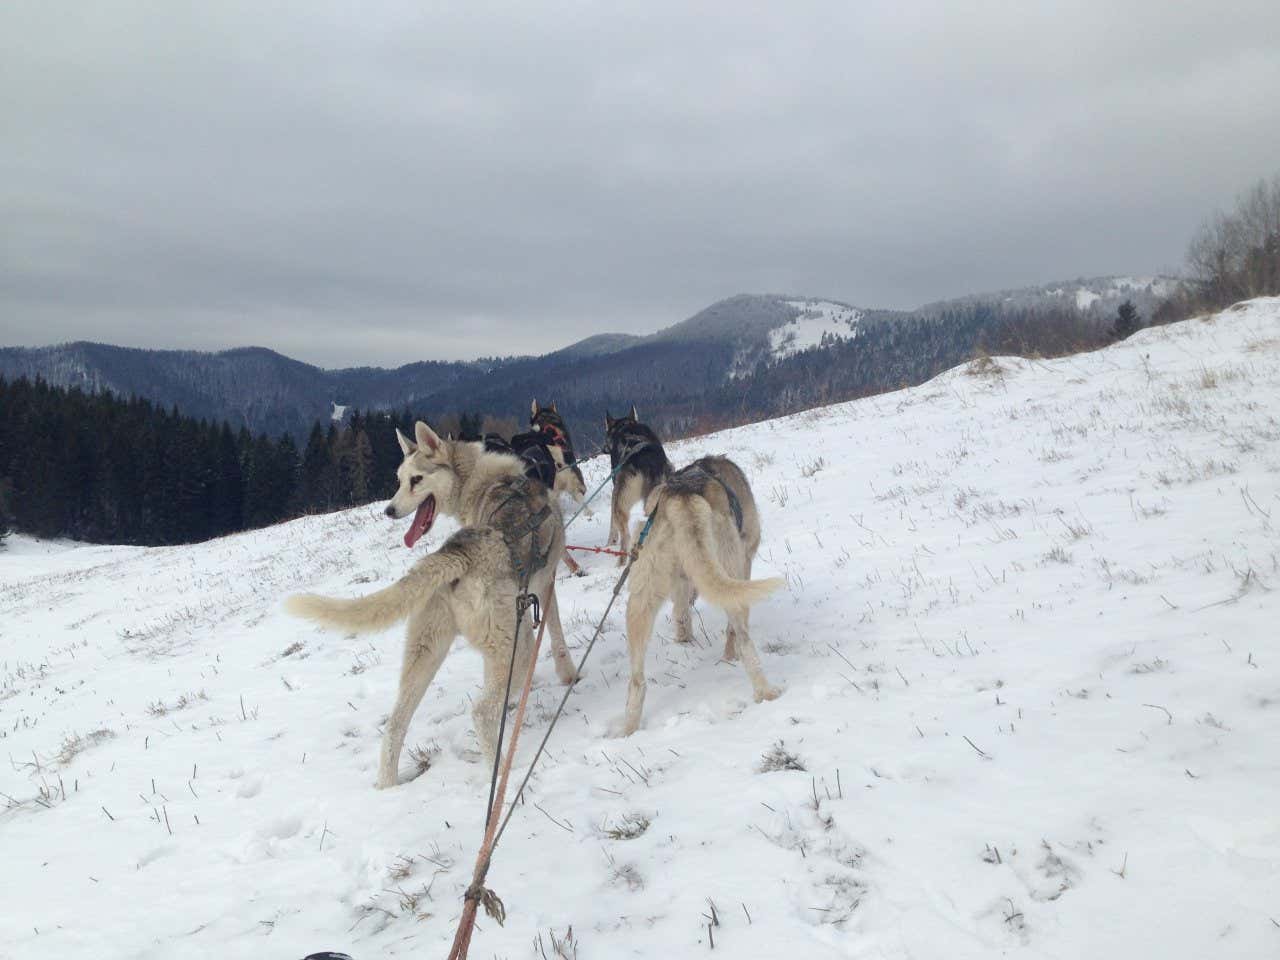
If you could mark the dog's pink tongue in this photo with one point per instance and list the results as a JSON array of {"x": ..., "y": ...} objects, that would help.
[{"x": 422, "y": 521}]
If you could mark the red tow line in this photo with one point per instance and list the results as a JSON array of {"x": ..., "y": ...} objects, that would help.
[{"x": 616, "y": 553}]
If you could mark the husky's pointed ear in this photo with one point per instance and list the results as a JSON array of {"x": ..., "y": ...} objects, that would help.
[
  {"x": 406, "y": 445},
  {"x": 608, "y": 421},
  {"x": 426, "y": 436},
  {"x": 553, "y": 407},
  {"x": 634, "y": 415},
  {"x": 533, "y": 408}
]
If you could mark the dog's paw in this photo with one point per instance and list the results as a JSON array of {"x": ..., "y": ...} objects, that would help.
[
  {"x": 567, "y": 674},
  {"x": 619, "y": 728},
  {"x": 768, "y": 693},
  {"x": 467, "y": 751}
]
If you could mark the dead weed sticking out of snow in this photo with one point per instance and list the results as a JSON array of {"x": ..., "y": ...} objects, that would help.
[
  {"x": 629, "y": 827},
  {"x": 778, "y": 757}
]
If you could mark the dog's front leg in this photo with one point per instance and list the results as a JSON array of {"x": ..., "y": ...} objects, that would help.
[{"x": 487, "y": 712}]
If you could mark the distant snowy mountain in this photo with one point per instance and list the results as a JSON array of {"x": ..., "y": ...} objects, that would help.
[{"x": 677, "y": 374}]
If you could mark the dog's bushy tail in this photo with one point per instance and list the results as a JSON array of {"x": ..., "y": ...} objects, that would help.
[
  {"x": 387, "y": 607},
  {"x": 691, "y": 520}
]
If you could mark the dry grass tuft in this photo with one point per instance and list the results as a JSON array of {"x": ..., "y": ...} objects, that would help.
[
  {"x": 421, "y": 757},
  {"x": 159, "y": 708},
  {"x": 812, "y": 467},
  {"x": 1057, "y": 555},
  {"x": 984, "y": 366},
  {"x": 401, "y": 869},
  {"x": 75, "y": 744},
  {"x": 629, "y": 827},
  {"x": 363, "y": 661},
  {"x": 562, "y": 948},
  {"x": 778, "y": 757}
]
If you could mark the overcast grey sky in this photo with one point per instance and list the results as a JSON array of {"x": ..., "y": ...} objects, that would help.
[{"x": 382, "y": 182}]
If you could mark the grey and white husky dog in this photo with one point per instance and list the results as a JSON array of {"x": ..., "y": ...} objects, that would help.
[{"x": 512, "y": 530}]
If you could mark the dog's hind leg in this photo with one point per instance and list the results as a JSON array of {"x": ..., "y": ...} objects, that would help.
[
  {"x": 617, "y": 518},
  {"x": 427, "y": 641},
  {"x": 730, "y": 634},
  {"x": 682, "y": 598},
  {"x": 642, "y": 609},
  {"x": 565, "y": 670},
  {"x": 746, "y": 649}
]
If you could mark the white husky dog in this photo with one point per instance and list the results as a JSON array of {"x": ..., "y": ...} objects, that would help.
[
  {"x": 511, "y": 530},
  {"x": 704, "y": 537}
]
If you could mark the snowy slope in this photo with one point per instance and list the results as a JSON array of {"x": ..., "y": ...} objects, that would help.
[
  {"x": 817, "y": 318},
  {"x": 1029, "y": 666}
]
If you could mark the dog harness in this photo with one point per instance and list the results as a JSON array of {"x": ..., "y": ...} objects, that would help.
[
  {"x": 635, "y": 446},
  {"x": 699, "y": 472},
  {"x": 524, "y": 562},
  {"x": 555, "y": 433}
]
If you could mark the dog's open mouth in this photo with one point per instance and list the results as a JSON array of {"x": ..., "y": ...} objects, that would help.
[{"x": 422, "y": 520}]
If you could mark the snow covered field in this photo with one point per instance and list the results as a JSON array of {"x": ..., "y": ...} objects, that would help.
[{"x": 1031, "y": 707}]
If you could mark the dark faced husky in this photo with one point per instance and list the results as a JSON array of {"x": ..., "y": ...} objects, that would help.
[
  {"x": 644, "y": 466},
  {"x": 544, "y": 460},
  {"x": 703, "y": 540},
  {"x": 511, "y": 530},
  {"x": 548, "y": 422}
]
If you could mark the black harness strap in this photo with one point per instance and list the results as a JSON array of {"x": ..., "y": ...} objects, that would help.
[
  {"x": 630, "y": 450},
  {"x": 734, "y": 504}
]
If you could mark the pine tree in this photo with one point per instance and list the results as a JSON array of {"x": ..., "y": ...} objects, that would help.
[
  {"x": 362, "y": 469},
  {"x": 287, "y": 466},
  {"x": 313, "y": 487},
  {"x": 227, "y": 507},
  {"x": 1127, "y": 321},
  {"x": 4, "y": 510}
]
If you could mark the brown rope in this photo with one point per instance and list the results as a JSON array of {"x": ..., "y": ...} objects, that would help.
[{"x": 477, "y": 894}]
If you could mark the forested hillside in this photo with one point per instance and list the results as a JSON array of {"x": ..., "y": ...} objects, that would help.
[{"x": 92, "y": 466}]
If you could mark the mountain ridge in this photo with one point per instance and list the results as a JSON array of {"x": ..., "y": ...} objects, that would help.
[{"x": 679, "y": 367}]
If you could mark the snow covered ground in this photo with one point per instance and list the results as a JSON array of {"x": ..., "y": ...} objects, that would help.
[
  {"x": 1031, "y": 707},
  {"x": 817, "y": 317}
]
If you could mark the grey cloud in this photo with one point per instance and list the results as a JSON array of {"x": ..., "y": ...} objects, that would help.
[{"x": 378, "y": 183}]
